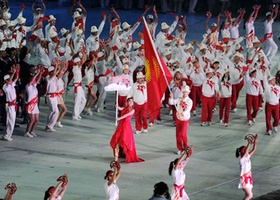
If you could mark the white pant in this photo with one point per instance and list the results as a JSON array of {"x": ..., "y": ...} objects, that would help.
[
  {"x": 79, "y": 101},
  {"x": 10, "y": 122},
  {"x": 102, "y": 93},
  {"x": 270, "y": 48},
  {"x": 53, "y": 112}
]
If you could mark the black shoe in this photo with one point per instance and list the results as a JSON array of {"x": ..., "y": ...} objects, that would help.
[{"x": 17, "y": 125}]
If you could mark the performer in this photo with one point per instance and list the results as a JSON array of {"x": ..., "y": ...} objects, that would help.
[
  {"x": 183, "y": 105},
  {"x": 176, "y": 168},
  {"x": 57, "y": 192},
  {"x": 32, "y": 103},
  {"x": 253, "y": 89},
  {"x": 246, "y": 179},
  {"x": 11, "y": 104},
  {"x": 123, "y": 137},
  {"x": 249, "y": 25},
  {"x": 111, "y": 188},
  {"x": 210, "y": 92},
  {"x": 139, "y": 93},
  {"x": 79, "y": 94},
  {"x": 225, "y": 91},
  {"x": 271, "y": 93},
  {"x": 51, "y": 98}
]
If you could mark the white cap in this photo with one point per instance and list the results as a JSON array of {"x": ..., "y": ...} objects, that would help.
[
  {"x": 166, "y": 41},
  {"x": 61, "y": 50},
  {"x": 136, "y": 45},
  {"x": 214, "y": 24},
  {"x": 270, "y": 77},
  {"x": 38, "y": 8},
  {"x": 189, "y": 45},
  {"x": 121, "y": 53},
  {"x": 7, "y": 15},
  {"x": 237, "y": 54},
  {"x": 125, "y": 60},
  {"x": 267, "y": 14},
  {"x": 208, "y": 70},
  {"x": 63, "y": 31},
  {"x": 100, "y": 54},
  {"x": 202, "y": 46},
  {"x": 76, "y": 14},
  {"x": 186, "y": 88},
  {"x": 7, "y": 76},
  {"x": 79, "y": 32},
  {"x": 79, "y": 10},
  {"x": 216, "y": 61},
  {"x": 193, "y": 59},
  {"x": 167, "y": 52},
  {"x": 226, "y": 70},
  {"x": 2, "y": 23},
  {"x": 255, "y": 40},
  {"x": 53, "y": 34},
  {"x": 164, "y": 25},
  {"x": 125, "y": 66},
  {"x": 251, "y": 70},
  {"x": 51, "y": 17},
  {"x": 51, "y": 68},
  {"x": 237, "y": 46},
  {"x": 125, "y": 25},
  {"x": 150, "y": 17},
  {"x": 77, "y": 59},
  {"x": 140, "y": 75},
  {"x": 11, "y": 24},
  {"x": 93, "y": 29},
  {"x": 21, "y": 20}
]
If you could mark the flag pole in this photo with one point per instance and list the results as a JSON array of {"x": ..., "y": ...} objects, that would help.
[{"x": 117, "y": 98}]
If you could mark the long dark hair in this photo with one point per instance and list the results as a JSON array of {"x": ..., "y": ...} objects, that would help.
[
  {"x": 47, "y": 193},
  {"x": 107, "y": 174},
  {"x": 223, "y": 78},
  {"x": 171, "y": 166},
  {"x": 240, "y": 151}
]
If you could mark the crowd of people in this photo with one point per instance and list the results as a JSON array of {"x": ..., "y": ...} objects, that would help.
[{"x": 35, "y": 61}]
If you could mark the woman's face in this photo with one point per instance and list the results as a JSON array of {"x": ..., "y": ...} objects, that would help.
[{"x": 130, "y": 102}]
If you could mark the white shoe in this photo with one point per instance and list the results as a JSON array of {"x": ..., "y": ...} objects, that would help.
[
  {"x": 28, "y": 135},
  {"x": 269, "y": 132},
  {"x": 170, "y": 112},
  {"x": 145, "y": 131},
  {"x": 250, "y": 122},
  {"x": 194, "y": 113},
  {"x": 34, "y": 134},
  {"x": 75, "y": 118},
  {"x": 179, "y": 152},
  {"x": 89, "y": 112},
  {"x": 226, "y": 125},
  {"x": 209, "y": 123},
  {"x": 158, "y": 121},
  {"x": 275, "y": 129},
  {"x": 203, "y": 124},
  {"x": 79, "y": 117},
  {"x": 7, "y": 139},
  {"x": 137, "y": 132},
  {"x": 99, "y": 110},
  {"x": 254, "y": 120},
  {"x": 47, "y": 129},
  {"x": 234, "y": 110},
  {"x": 151, "y": 124},
  {"x": 221, "y": 121},
  {"x": 58, "y": 124}
]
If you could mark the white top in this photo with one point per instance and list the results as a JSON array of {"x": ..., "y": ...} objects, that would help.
[
  {"x": 209, "y": 87},
  {"x": 234, "y": 31},
  {"x": 245, "y": 167},
  {"x": 184, "y": 106},
  {"x": 139, "y": 93},
  {"x": 253, "y": 86},
  {"x": 112, "y": 191},
  {"x": 268, "y": 26},
  {"x": 51, "y": 84},
  {"x": 10, "y": 91},
  {"x": 32, "y": 92},
  {"x": 271, "y": 93},
  {"x": 89, "y": 73},
  {"x": 197, "y": 78},
  {"x": 77, "y": 74},
  {"x": 225, "y": 88}
]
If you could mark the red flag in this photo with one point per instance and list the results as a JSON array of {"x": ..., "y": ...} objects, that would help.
[{"x": 157, "y": 74}]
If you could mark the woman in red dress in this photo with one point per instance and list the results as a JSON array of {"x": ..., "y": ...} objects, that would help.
[{"x": 123, "y": 138}]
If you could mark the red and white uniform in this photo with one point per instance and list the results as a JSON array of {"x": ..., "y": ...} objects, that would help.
[
  {"x": 184, "y": 106},
  {"x": 234, "y": 32},
  {"x": 11, "y": 105},
  {"x": 271, "y": 95},
  {"x": 60, "y": 91},
  {"x": 161, "y": 36},
  {"x": 152, "y": 28},
  {"x": 32, "y": 101},
  {"x": 246, "y": 179},
  {"x": 79, "y": 94},
  {"x": 89, "y": 73},
  {"x": 139, "y": 94},
  {"x": 178, "y": 191},
  {"x": 225, "y": 99},
  {"x": 197, "y": 79},
  {"x": 271, "y": 47},
  {"x": 253, "y": 89},
  {"x": 92, "y": 42},
  {"x": 112, "y": 191},
  {"x": 209, "y": 90},
  {"x": 4, "y": 39},
  {"x": 52, "y": 102}
]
